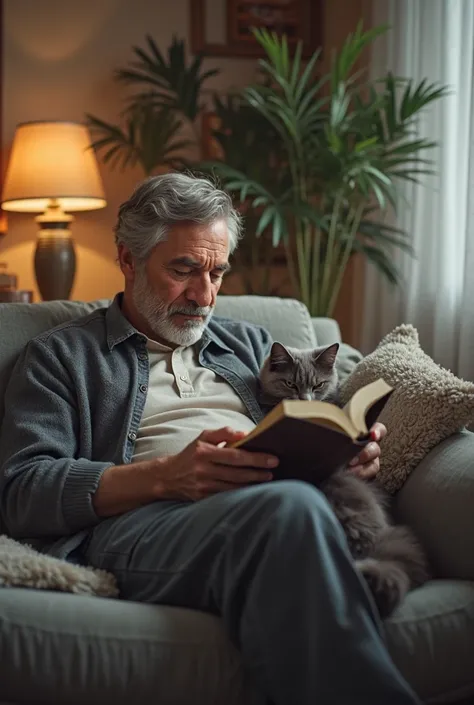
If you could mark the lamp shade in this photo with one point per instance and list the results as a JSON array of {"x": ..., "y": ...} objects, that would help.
[{"x": 52, "y": 160}]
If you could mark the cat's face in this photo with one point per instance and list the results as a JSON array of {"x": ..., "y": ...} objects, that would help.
[{"x": 289, "y": 373}]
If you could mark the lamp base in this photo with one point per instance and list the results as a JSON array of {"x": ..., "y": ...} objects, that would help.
[
  {"x": 55, "y": 258},
  {"x": 55, "y": 266}
]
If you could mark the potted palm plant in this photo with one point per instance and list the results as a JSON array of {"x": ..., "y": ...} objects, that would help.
[
  {"x": 345, "y": 144},
  {"x": 161, "y": 116}
]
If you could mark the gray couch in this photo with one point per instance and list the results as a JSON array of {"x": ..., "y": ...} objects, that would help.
[{"x": 59, "y": 648}]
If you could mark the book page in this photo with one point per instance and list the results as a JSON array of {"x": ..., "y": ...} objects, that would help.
[
  {"x": 317, "y": 412},
  {"x": 363, "y": 400},
  {"x": 321, "y": 412}
]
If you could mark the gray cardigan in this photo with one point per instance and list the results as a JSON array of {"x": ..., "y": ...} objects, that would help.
[{"x": 73, "y": 408}]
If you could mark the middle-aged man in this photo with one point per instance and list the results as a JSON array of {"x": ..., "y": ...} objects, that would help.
[{"x": 113, "y": 449}]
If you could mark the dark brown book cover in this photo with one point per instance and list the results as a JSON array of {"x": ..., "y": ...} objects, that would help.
[
  {"x": 303, "y": 434},
  {"x": 306, "y": 450}
]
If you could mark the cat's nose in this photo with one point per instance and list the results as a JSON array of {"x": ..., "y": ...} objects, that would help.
[{"x": 306, "y": 396}]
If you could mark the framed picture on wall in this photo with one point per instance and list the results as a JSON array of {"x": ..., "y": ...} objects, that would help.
[{"x": 224, "y": 27}]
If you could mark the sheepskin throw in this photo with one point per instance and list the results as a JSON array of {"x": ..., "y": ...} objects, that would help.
[
  {"x": 21, "y": 566},
  {"x": 428, "y": 405}
]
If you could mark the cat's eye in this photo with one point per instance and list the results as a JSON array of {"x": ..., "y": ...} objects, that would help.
[
  {"x": 319, "y": 386},
  {"x": 289, "y": 384}
]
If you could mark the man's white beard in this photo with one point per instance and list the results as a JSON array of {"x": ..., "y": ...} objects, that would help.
[{"x": 159, "y": 316}]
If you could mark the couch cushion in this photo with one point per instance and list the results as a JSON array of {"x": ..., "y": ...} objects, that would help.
[
  {"x": 287, "y": 320},
  {"x": 57, "y": 648},
  {"x": 431, "y": 640},
  {"x": 437, "y": 501},
  {"x": 73, "y": 649},
  {"x": 21, "y": 322}
]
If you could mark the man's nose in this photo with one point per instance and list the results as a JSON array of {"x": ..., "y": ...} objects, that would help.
[{"x": 201, "y": 291}]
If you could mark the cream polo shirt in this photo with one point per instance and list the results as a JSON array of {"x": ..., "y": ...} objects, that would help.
[{"x": 184, "y": 399}]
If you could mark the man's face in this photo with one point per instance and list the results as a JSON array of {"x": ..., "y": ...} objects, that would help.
[{"x": 175, "y": 291}]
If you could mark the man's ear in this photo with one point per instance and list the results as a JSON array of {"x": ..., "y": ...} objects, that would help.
[{"x": 127, "y": 263}]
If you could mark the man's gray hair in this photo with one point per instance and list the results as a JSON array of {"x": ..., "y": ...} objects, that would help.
[{"x": 160, "y": 202}]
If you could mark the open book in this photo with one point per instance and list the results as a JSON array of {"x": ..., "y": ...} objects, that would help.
[{"x": 312, "y": 439}]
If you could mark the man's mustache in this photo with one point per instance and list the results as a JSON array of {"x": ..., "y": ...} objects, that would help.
[{"x": 190, "y": 310}]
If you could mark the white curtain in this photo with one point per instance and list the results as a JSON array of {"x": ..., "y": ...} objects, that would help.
[{"x": 433, "y": 39}]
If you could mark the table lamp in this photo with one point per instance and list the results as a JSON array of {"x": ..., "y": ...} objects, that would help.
[{"x": 52, "y": 171}]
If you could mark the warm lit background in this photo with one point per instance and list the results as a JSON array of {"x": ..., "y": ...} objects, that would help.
[{"x": 58, "y": 64}]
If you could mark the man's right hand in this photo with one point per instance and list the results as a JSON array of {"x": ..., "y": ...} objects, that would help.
[
  {"x": 201, "y": 469},
  {"x": 204, "y": 467}
]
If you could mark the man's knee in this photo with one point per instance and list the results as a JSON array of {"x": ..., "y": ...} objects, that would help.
[{"x": 289, "y": 503}]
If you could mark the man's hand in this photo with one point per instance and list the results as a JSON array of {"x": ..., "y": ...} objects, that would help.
[
  {"x": 367, "y": 464},
  {"x": 204, "y": 467}
]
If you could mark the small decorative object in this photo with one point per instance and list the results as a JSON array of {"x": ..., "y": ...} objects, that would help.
[
  {"x": 230, "y": 32},
  {"x": 8, "y": 288},
  {"x": 8, "y": 282},
  {"x": 52, "y": 171}
]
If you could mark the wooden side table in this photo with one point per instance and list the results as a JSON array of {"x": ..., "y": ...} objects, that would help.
[{"x": 17, "y": 296}]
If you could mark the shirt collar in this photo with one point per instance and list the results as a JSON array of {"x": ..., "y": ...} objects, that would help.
[
  {"x": 119, "y": 328},
  {"x": 211, "y": 335}
]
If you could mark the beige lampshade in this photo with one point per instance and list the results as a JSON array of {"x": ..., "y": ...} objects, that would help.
[{"x": 52, "y": 160}]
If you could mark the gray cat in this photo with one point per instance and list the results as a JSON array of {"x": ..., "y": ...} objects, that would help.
[{"x": 389, "y": 557}]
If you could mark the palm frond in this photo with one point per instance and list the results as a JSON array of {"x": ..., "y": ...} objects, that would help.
[{"x": 170, "y": 80}]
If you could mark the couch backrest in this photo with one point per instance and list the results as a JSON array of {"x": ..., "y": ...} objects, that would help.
[{"x": 286, "y": 319}]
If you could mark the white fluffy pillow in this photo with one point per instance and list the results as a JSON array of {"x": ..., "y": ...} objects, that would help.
[{"x": 428, "y": 405}]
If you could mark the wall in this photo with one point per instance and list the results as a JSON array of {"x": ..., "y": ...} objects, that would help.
[{"x": 59, "y": 58}]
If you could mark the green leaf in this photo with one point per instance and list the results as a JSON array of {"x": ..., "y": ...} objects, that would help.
[
  {"x": 379, "y": 195},
  {"x": 278, "y": 229},
  {"x": 362, "y": 146},
  {"x": 386, "y": 235},
  {"x": 378, "y": 175},
  {"x": 265, "y": 219},
  {"x": 381, "y": 260},
  {"x": 170, "y": 81}
]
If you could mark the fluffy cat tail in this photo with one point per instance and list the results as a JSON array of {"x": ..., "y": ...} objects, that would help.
[
  {"x": 399, "y": 544},
  {"x": 395, "y": 565}
]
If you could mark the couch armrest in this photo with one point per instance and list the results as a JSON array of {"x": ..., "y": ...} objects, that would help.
[
  {"x": 327, "y": 331},
  {"x": 437, "y": 501}
]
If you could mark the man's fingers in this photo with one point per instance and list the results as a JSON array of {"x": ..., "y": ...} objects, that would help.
[
  {"x": 216, "y": 486},
  {"x": 368, "y": 471},
  {"x": 238, "y": 475},
  {"x": 241, "y": 458},
  {"x": 369, "y": 453},
  {"x": 378, "y": 431},
  {"x": 221, "y": 435}
]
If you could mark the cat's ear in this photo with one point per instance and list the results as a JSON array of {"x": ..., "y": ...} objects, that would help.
[
  {"x": 279, "y": 357},
  {"x": 327, "y": 357}
]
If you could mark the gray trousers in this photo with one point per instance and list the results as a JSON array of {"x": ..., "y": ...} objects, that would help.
[{"x": 272, "y": 560}]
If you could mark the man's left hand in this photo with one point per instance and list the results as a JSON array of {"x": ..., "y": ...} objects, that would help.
[{"x": 367, "y": 464}]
